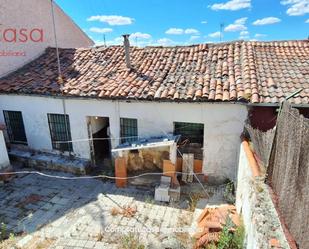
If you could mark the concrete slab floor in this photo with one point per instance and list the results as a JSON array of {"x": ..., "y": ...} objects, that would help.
[{"x": 89, "y": 213}]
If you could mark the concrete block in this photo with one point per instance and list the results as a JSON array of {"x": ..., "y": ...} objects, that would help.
[
  {"x": 166, "y": 180},
  {"x": 174, "y": 194},
  {"x": 161, "y": 194}
]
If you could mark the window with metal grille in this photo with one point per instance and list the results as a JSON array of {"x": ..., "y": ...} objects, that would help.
[
  {"x": 192, "y": 132},
  {"x": 15, "y": 127},
  {"x": 59, "y": 127},
  {"x": 128, "y": 130}
]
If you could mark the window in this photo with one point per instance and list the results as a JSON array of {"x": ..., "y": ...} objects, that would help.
[
  {"x": 15, "y": 127},
  {"x": 59, "y": 127},
  {"x": 192, "y": 137},
  {"x": 128, "y": 130},
  {"x": 194, "y": 132}
]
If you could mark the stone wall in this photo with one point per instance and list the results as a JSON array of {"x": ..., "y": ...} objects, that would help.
[{"x": 254, "y": 203}]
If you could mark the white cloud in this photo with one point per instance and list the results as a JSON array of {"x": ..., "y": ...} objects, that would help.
[
  {"x": 266, "y": 21},
  {"x": 260, "y": 35},
  {"x": 191, "y": 31},
  {"x": 241, "y": 20},
  {"x": 174, "y": 31},
  {"x": 116, "y": 41},
  {"x": 98, "y": 42},
  {"x": 178, "y": 31},
  {"x": 204, "y": 22},
  {"x": 215, "y": 34},
  {"x": 238, "y": 25},
  {"x": 296, "y": 7},
  {"x": 244, "y": 33},
  {"x": 307, "y": 21},
  {"x": 165, "y": 42},
  {"x": 140, "y": 35},
  {"x": 194, "y": 37},
  {"x": 101, "y": 30},
  {"x": 232, "y": 5},
  {"x": 112, "y": 19},
  {"x": 244, "y": 37}
]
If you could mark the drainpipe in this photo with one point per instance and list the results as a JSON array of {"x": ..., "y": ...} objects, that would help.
[{"x": 126, "y": 44}]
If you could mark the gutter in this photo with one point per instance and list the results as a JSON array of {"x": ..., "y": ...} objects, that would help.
[{"x": 125, "y": 100}]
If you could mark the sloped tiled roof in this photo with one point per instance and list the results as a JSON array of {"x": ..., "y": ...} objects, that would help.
[{"x": 256, "y": 72}]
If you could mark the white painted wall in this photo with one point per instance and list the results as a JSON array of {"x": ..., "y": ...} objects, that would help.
[
  {"x": 4, "y": 159},
  {"x": 223, "y": 124},
  {"x": 32, "y": 14}
]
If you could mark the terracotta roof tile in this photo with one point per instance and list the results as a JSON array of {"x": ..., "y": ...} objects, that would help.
[{"x": 257, "y": 72}]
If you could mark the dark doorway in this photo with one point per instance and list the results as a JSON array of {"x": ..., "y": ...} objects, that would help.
[
  {"x": 191, "y": 140},
  {"x": 98, "y": 129}
]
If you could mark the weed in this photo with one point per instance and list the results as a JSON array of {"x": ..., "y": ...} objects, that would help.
[
  {"x": 225, "y": 235},
  {"x": 99, "y": 236},
  {"x": 229, "y": 240},
  {"x": 131, "y": 241},
  {"x": 3, "y": 231},
  {"x": 149, "y": 200},
  {"x": 193, "y": 200},
  {"x": 211, "y": 246},
  {"x": 146, "y": 218},
  {"x": 229, "y": 192}
]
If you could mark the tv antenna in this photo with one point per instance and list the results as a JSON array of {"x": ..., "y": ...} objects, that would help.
[
  {"x": 104, "y": 40},
  {"x": 221, "y": 31}
]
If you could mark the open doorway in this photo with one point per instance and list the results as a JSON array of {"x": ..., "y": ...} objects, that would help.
[{"x": 98, "y": 130}]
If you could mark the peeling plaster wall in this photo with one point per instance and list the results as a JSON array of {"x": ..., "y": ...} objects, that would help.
[
  {"x": 31, "y": 14},
  {"x": 223, "y": 124},
  {"x": 254, "y": 203},
  {"x": 4, "y": 159}
]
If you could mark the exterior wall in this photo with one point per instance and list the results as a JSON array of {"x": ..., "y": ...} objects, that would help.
[
  {"x": 4, "y": 159},
  {"x": 223, "y": 124},
  {"x": 254, "y": 203},
  {"x": 32, "y": 14},
  {"x": 265, "y": 117}
]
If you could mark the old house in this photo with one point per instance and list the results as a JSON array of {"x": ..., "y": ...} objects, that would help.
[
  {"x": 26, "y": 31},
  {"x": 111, "y": 95}
]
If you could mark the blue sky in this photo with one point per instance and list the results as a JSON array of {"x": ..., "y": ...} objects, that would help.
[{"x": 181, "y": 22}]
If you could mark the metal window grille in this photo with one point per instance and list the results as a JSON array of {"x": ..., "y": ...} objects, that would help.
[
  {"x": 128, "y": 130},
  {"x": 194, "y": 132},
  {"x": 59, "y": 127},
  {"x": 15, "y": 127}
]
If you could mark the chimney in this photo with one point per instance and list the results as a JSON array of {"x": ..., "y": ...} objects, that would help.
[{"x": 126, "y": 44}]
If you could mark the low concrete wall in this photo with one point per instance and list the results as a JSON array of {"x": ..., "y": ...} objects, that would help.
[
  {"x": 4, "y": 158},
  {"x": 254, "y": 203}
]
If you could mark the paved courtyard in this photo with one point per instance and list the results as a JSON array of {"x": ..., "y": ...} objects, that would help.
[{"x": 89, "y": 213}]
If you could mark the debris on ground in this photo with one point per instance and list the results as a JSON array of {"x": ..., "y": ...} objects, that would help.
[
  {"x": 30, "y": 199},
  {"x": 211, "y": 223},
  {"x": 126, "y": 211}
]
